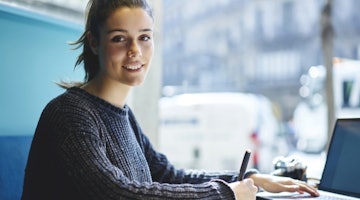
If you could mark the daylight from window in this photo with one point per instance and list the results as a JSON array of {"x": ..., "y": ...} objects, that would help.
[
  {"x": 251, "y": 74},
  {"x": 234, "y": 75}
]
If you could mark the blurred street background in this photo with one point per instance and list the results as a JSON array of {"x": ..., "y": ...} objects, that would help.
[{"x": 227, "y": 75}]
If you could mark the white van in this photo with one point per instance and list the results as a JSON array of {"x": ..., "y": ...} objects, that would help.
[{"x": 211, "y": 131}]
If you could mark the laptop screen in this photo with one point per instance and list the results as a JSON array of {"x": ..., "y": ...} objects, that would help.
[{"x": 342, "y": 169}]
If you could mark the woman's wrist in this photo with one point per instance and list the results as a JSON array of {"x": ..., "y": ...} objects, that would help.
[{"x": 251, "y": 172}]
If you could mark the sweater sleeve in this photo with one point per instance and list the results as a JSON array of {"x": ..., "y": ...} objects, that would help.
[
  {"x": 89, "y": 168},
  {"x": 95, "y": 176}
]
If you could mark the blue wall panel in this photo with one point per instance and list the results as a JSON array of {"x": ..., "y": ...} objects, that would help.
[{"x": 34, "y": 52}]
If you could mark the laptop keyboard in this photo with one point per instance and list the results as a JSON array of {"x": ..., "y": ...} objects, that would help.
[
  {"x": 325, "y": 197},
  {"x": 331, "y": 197},
  {"x": 286, "y": 196}
]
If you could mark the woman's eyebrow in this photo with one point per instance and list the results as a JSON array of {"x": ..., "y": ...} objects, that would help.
[
  {"x": 125, "y": 31},
  {"x": 117, "y": 30}
]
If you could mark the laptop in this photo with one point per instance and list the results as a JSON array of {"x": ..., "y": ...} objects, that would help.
[{"x": 341, "y": 175}]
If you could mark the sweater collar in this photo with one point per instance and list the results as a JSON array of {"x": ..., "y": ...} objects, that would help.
[{"x": 99, "y": 101}]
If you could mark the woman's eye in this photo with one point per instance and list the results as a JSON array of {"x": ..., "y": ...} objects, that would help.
[
  {"x": 145, "y": 38},
  {"x": 118, "y": 39}
]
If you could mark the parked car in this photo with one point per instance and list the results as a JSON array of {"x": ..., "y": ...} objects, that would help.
[{"x": 211, "y": 131}]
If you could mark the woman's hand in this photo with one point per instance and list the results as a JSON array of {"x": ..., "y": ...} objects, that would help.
[
  {"x": 244, "y": 190},
  {"x": 282, "y": 184}
]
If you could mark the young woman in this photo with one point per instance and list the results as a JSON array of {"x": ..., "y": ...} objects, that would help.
[{"x": 88, "y": 144}]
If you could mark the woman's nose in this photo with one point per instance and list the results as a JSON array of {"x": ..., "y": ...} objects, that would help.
[{"x": 134, "y": 50}]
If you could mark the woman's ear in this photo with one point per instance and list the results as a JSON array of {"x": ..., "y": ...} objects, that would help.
[{"x": 92, "y": 42}]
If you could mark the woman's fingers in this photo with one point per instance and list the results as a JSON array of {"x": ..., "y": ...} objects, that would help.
[{"x": 301, "y": 187}]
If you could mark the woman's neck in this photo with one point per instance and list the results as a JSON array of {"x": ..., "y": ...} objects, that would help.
[{"x": 111, "y": 91}]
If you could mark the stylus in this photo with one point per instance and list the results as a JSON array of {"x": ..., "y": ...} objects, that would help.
[{"x": 244, "y": 165}]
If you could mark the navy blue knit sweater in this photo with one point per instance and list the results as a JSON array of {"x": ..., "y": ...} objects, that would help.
[{"x": 87, "y": 148}]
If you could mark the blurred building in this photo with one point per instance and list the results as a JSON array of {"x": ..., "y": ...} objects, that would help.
[{"x": 251, "y": 46}]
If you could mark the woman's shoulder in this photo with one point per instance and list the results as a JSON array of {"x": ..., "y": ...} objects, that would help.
[
  {"x": 69, "y": 112},
  {"x": 70, "y": 95},
  {"x": 73, "y": 99},
  {"x": 77, "y": 100}
]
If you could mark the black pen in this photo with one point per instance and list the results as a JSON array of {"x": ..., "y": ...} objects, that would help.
[{"x": 244, "y": 165}]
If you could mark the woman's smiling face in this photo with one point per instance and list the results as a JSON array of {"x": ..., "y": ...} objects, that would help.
[{"x": 125, "y": 46}]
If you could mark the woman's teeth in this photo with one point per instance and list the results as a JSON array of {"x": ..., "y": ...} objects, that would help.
[{"x": 133, "y": 67}]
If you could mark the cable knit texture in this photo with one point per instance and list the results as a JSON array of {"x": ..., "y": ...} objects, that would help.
[{"x": 87, "y": 148}]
